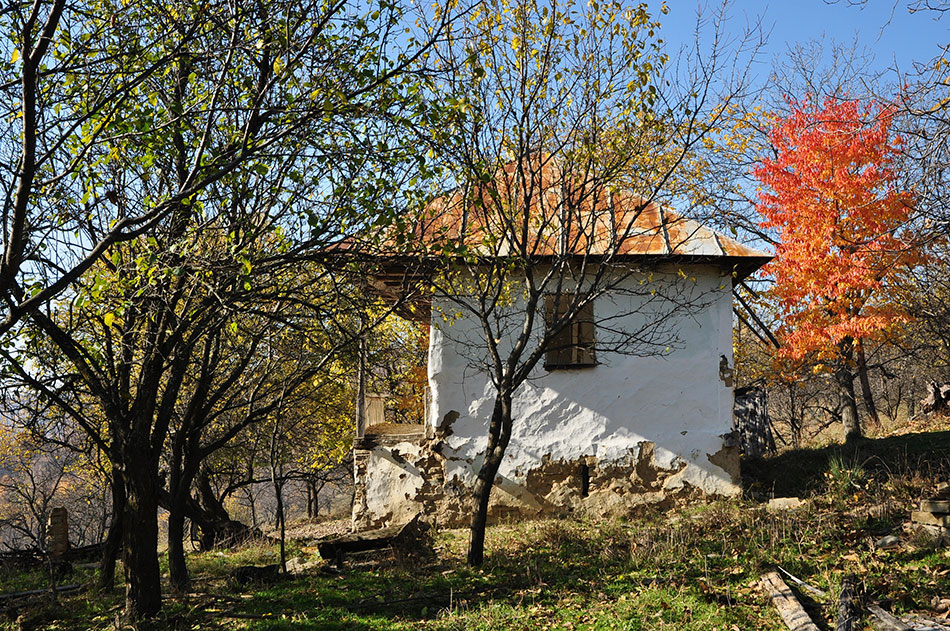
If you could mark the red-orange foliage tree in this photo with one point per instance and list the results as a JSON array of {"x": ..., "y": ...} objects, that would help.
[{"x": 832, "y": 195}]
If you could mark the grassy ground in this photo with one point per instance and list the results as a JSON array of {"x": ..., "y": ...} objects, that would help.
[{"x": 694, "y": 568}]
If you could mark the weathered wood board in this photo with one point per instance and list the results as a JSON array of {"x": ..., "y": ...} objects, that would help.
[
  {"x": 794, "y": 616},
  {"x": 931, "y": 519},
  {"x": 935, "y": 506}
]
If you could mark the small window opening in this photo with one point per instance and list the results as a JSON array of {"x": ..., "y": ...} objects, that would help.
[
  {"x": 585, "y": 480},
  {"x": 573, "y": 345}
]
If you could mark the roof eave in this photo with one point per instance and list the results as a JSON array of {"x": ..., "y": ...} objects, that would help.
[{"x": 741, "y": 266}]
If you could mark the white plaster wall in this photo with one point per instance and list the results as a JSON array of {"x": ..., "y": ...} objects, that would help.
[
  {"x": 393, "y": 484},
  {"x": 677, "y": 401}
]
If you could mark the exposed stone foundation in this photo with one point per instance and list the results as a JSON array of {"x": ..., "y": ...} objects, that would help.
[{"x": 399, "y": 478}]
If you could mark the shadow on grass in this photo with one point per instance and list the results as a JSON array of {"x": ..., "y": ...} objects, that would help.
[
  {"x": 559, "y": 562},
  {"x": 566, "y": 574},
  {"x": 371, "y": 600},
  {"x": 800, "y": 472}
]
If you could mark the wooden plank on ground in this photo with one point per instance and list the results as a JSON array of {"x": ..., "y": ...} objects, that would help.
[
  {"x": 847, "y": 610},
  {"x": 932, "y": 519},
  {"x": 884, "y": 621},
  {"x": 935, "y": 506},
  {"x": 808, "y": 588},
  {"x": 794, "y": 616}
]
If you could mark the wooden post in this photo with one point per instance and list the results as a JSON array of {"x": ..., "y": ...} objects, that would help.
[
  {"x": 57, "y": 533},
  {"x": 361, "y": 388},
  {"x": 374, "y": 409}
]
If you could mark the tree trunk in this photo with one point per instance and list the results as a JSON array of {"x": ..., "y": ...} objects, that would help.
[
  {"x": 796, "y": 421},
  {"x": 250, "y": 494},
  {"x": 215, "y": 525},
  {"x": 278, "y": 484},
  {"x": 177, "y": 569},
  {"x": 499, "y": 433},
  {"x": 113, "y": 541},
  {"x": 252, "y": 502},
  {"x": 181, "y": 475},
  {"x": 143, "y": 587},
  {"x": 862, "y": 366},
  {"x": 281, "y": 526},
  {"x": 180, "y": 478},
  {"x": 845, "y": 379}
]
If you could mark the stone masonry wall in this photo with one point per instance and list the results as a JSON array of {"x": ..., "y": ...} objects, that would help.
[{"x": 396, "y": 482}]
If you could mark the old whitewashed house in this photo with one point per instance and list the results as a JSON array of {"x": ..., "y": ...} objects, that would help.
[{"x": 595, "y": 432}]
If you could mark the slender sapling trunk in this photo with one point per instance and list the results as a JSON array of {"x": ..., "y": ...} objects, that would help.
[{"x": 499, "y": 433}]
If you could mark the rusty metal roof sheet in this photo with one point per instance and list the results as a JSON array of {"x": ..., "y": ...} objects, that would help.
[{"x": 545, "y": 213}]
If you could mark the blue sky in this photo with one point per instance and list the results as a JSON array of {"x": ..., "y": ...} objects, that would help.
[{"x": 884, "y": 27}]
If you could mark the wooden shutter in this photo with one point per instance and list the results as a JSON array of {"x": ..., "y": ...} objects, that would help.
[
  {"x": 574, "y": 344},
  {"x": 584, "y": 336},
  {"x": 560, "y": 352}
]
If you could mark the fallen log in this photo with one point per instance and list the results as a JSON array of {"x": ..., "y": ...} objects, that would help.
[
  {"x": 91, "y": 552},
  {"x": 794, "y": 616},
  {"x": 847, "y": 608},
  {"x": 245, "y": 616},
  {"x": 20, "y": 558},
  {"x": 14, "y": 601},
  {"x": 407, "y": 536},
  {"x": 884, "y": 621},
  {"x": 63, "y": 589},
  {"x": 33, "y": 557},
  {"x": 247, "y": 574}
]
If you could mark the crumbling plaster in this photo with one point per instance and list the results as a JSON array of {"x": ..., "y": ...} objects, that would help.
[{"x": 647, "y": 427}]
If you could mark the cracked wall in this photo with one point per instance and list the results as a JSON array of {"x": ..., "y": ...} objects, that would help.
[{"x": 410, "y": 478}]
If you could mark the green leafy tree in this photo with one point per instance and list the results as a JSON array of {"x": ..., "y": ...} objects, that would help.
[{"x": 196, "y": 154}]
